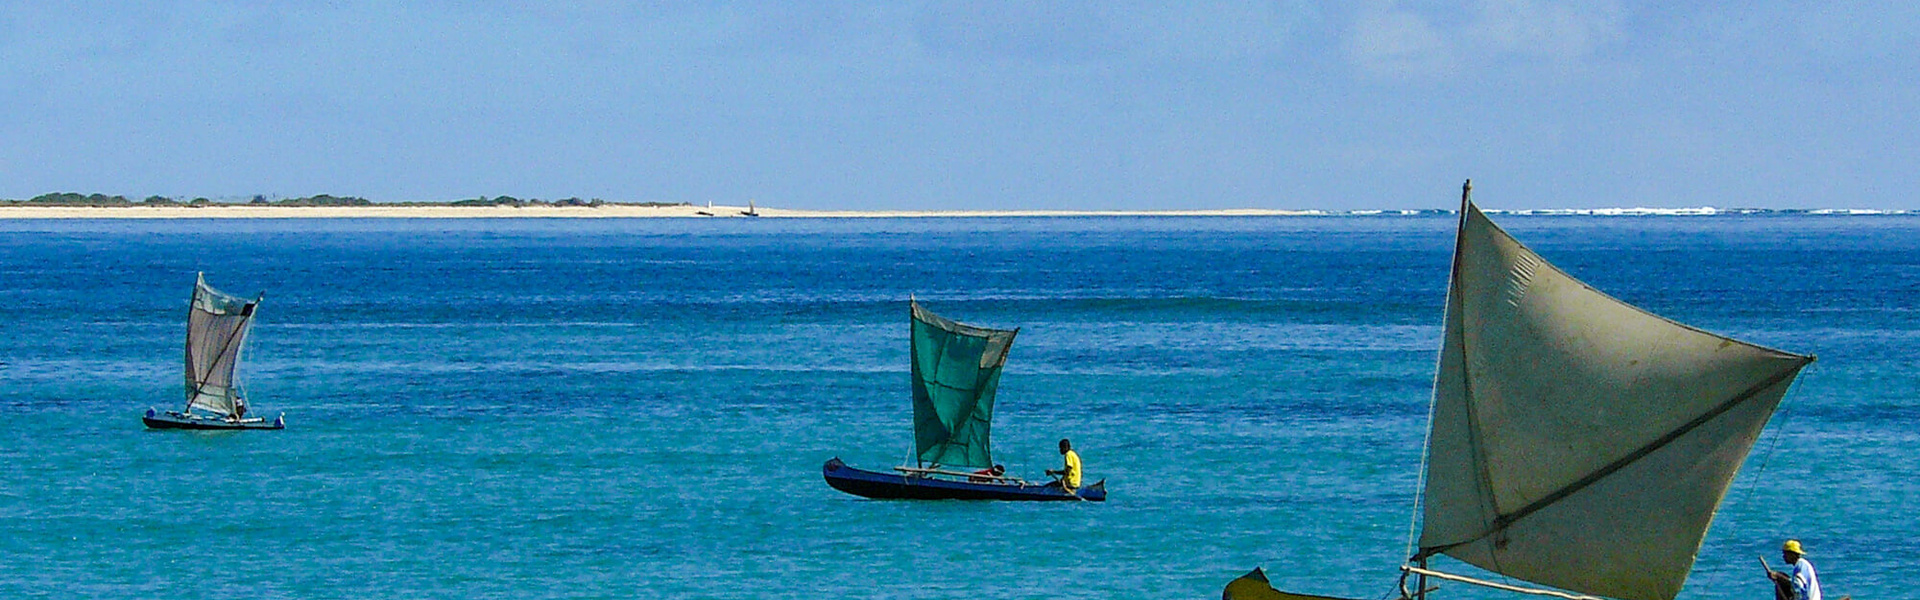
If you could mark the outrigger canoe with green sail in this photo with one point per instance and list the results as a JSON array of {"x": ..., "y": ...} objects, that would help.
[
  {"x": 1576, "y": 442},
  {"x": 956, "y": 372},
  {"x": 217, "y": 326}
]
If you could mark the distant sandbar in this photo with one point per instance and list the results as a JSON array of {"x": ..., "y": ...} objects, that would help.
[{"x": 245, "y": 211}]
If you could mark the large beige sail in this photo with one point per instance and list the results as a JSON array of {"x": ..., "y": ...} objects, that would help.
[{"x": 1578, "y": 441}]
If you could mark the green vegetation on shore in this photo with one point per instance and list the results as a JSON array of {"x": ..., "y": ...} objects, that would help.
[{"x": 72, "y": 199}]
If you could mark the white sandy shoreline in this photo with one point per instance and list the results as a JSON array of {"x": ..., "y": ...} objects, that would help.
[
  {"x": 628, "y": 211},
  {"x": 561, "y": 212}
]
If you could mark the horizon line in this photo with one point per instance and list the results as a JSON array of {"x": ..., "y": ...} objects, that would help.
[{"x": 44, "y": 210}]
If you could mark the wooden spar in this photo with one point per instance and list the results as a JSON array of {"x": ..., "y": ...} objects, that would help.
[
  {"x": 1498, "y": 586},
  {"x": 920, "y": 471}
]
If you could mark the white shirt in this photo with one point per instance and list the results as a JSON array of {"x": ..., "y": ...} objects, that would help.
[{"x": 1806, "y": 585}]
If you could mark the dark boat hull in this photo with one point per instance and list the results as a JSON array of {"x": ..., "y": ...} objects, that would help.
[
  {"x": 893, "y": 486},
  {"x": 176, "y": 420}
]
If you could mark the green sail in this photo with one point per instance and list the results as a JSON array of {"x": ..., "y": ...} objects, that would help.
[{"x": 956, "y": 369}]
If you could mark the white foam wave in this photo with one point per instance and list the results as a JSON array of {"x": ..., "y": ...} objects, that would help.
[{"x": 1613, "y": 212}]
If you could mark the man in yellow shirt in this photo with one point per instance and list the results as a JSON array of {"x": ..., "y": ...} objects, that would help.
[{"x": 1070, "y": 473}]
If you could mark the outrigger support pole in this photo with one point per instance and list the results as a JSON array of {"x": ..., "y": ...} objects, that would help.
[
  {"x": 1421, "y": 583},
  {"x": 1420, "y": 589},
  {"x": 1423, "y": 572}
]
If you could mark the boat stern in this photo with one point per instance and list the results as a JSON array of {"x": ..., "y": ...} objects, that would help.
[{"x": 1094, "y": 493}]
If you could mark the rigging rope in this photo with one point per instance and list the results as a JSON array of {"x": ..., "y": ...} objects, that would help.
[
  {"x": 1420, "y": 478},
  {"x": 1753, "y": 483}
]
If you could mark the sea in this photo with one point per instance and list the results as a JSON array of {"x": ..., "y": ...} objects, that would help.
[{"x": 640, "y": 408}]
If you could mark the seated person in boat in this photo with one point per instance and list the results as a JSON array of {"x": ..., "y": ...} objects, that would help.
[
  {"x": 988, "y": 475},
  {"x": 1070, "y": 472}
]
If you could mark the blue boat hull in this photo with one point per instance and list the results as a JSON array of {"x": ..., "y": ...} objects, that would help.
[
  {"x": 177, "y": 420},
  {"x": 893, "y": 486}
]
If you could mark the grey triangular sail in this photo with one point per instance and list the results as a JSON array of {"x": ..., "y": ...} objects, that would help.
[
  {"x": 217, "y": 324},
  {"x": 956, "y": 370},
  {"x": 1578, "y": 441}
]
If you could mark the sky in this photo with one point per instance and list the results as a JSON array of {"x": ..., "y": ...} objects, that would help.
[{"x": 972, "y": 105}]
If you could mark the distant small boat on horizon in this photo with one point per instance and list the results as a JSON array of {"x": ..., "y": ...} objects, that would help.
[{"x": 217, "y": 326}]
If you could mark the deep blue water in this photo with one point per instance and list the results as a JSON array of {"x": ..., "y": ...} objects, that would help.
[{"x": 640, "y": 408}]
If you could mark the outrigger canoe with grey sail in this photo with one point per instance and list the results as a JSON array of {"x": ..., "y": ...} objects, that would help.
[
  {"x": 956, "y": 372},
  {"x": 217, "y": 326},
  {"x": 1577, "y": 442}
]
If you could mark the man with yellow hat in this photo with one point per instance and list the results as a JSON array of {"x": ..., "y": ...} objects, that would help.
[{"x": 1801, "y": 583}]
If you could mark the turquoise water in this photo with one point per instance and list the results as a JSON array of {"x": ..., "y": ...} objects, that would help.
[{"x": 640, "y": 408}]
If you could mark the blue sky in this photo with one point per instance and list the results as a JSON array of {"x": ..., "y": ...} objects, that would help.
[{"x": 972, "y": 105}]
